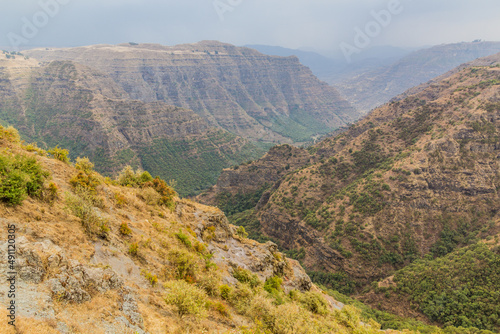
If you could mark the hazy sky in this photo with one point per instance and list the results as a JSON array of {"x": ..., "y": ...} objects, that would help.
[{"x": 318, "y": 24}]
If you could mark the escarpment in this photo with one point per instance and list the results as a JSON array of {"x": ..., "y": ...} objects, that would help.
[{"x": 259, "y": 97}]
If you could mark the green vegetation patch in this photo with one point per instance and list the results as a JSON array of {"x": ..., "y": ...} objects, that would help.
[
  {"x": 20, "y": 176},
  {"x": 460, "y": 289},
  {"x": 194, "y": 164}
]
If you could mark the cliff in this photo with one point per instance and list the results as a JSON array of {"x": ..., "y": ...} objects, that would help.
[
  {"x": 81, "y": 109},
  {"x": 259, "y": 97}
]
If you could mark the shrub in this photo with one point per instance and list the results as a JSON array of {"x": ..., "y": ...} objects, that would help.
[
  {"x": 240, "y": 297},
  {"x": 167, "y": 194},
  {"x": 150, "y": 196},
  {"x": 124, "y": 229},
  {"x": 81, "y": 206},
  {"x": 88, "y": 181},
  {"x": 60, "y": 154},
  {"x": 314, "y": 302},
  {"x": 225, "y": 291},
  {"x": 184, "y": 238},
  {"x": 273, "y": 284},
  {"x": 241, "y": 232},
  {"x": 32, "y": 147},
  {"x": 152, "y": 279},
  {"x": 13, "y": 188},
  {"x": 245, "y": 276},
  {"x": 84, "y": 165},
  {"x": 120, "y": 200},
  {"x": 209, "y": 282},
  {"x": 128, "y": 177},
  {"x": 222, "y": 309},
  {"x": 186, "y": 264},
  {"x": 51, "y": 193},
  {"x": 9, "y": 134},
  {"x": 20, "y": 176},
  {"x": 188, "y": 299},
  {"x": 133, "y": 248}
]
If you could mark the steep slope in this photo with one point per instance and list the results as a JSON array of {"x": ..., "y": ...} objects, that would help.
[
  {"x": 92, "y": 256},
  {"x": 264, "y": 98},
  {"x": 414, "y": 177},
  {"x": 85, "y": 111},
  {"x": 374, "y": 88}
]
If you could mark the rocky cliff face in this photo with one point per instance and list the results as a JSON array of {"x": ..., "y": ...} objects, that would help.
[
  {"x": 415, "y": 176},
  {"x": 264, "y": 98},
  {"x": 374, "y": 88},
  {"x": 81, "y": 109}
]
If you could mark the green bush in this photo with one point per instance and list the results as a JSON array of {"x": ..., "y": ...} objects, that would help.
[
  {"x": 241, "y": 232},
  {"x": 20, "y": 176},
  {"x": 273, "y": 284},
  {"x": 60, "y": 154},
  {"x": 133, "y": 248},
  {"x": 314, "y": 302},
  {"x": 245, "y": 276},
  {"x": 184, "y": 238},
  {"x": 128, "y": 177},
  {"x": 187, "y": 298}
]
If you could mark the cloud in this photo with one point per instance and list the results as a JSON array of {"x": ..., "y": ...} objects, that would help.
[{"x": 320, "y": 24}]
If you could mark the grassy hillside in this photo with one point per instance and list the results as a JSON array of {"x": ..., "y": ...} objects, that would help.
[{"x": 96, "y": 255}]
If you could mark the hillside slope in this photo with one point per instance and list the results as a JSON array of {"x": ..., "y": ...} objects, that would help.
[
  {"x": 97, "y": 256},
  {"x": 374, "y": 88},
  {"x": 414, "y": 177},
  {"x": 68, "y": 104},
  {"x": 263, "y": 98}
]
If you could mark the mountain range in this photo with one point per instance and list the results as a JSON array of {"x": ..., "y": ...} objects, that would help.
[{"x": 416, "y": 178}]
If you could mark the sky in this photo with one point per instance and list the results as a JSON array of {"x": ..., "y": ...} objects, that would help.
[{"x": 321, "y": 25}]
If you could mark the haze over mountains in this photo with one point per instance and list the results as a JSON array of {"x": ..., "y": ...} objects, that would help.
[{"x": 379, "y": 74}]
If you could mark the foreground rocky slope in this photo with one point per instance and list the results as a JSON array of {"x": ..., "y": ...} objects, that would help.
[
  {"x": 374, "y": 88},
  {"x": 416, "y": 176},
  {"x": 68, "y": 104},
  {"x": 93, "y": 256},
  {"x": 264, "y": 98}
]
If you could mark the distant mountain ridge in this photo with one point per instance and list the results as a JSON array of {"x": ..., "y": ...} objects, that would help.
[
  {"x": 259, "y": 97},
  {"x": 374, "y": 88},
  {"x": 81, "y": 109}
]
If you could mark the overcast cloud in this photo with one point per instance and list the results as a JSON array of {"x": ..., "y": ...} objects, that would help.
[{"x": 318, "y": 24}]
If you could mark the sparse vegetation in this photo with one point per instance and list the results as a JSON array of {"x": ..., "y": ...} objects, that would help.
[
  {"x": 60, "y": 154},
  {"x": 187, "y": 298}
]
